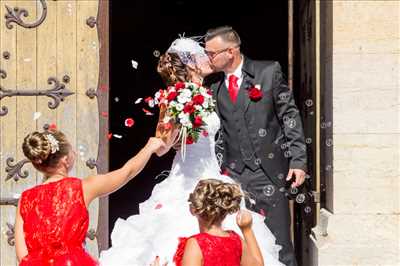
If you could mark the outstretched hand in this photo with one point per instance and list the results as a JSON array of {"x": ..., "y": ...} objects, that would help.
[
  {"x": 155, "y": 144},
  {"x": 169, "y": 143}
]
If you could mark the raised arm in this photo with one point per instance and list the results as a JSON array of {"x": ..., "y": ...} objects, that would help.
[
  {"x": 251, "y": 255},
  {"x": 100, "y": 185}
]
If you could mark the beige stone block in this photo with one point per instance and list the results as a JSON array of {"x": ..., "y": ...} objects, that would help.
[
  {"x": 359, "y": 240},
  {"x": 366, "y": 26},
  {"x": 359, "y": 110},
  {"x": 352, "y": 255},
  {"x": 366, "y": 71},
  {"x": 369, "y": 155},
  {"x": 366, "y": 173},
  {"x": 366, "y": 200}
]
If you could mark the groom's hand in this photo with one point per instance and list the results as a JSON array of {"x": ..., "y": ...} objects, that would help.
[{"x": 299, "y": 174}]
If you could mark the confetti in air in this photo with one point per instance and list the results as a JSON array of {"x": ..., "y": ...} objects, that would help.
[
  {"x": 129, "y": 122},
  {"x": 134, "y": 64},
  {"x": 147, "y": 112},
  {"x": 36, "y": 115},
  {"x": 150, "y": 101},
  {"x": 53, "y": 127}
]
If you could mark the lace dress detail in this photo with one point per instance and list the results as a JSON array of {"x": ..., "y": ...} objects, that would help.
[
  {"x": 216, "y": 250},
  {"x": 55, "y": 224}
]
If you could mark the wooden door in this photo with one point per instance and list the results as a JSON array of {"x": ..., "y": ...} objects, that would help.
[{"x": 52, "y": 72}]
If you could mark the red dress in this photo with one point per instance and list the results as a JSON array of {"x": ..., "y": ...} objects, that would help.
[
  {"x": 55, "y": 224},
  {"x": 216, "y": 250}
]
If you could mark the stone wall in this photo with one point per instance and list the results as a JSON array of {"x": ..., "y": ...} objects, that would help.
[{"x": 364, "y": 226}]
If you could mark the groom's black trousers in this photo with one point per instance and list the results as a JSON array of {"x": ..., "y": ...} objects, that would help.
[{"x": 271, "y": 202}]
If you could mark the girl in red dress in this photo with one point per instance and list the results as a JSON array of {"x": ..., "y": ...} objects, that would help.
[
  {"x": 210, "y": 202},
  {"x": 52, "y": 218}
]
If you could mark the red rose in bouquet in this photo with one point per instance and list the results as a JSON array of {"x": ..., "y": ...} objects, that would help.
[
  {"x": 189, "y": 108},
  {"x": 186, "y": 106},
  {"x": 198, "y": 99},
  {"x": 180, "y": 85},
  {"x": 198, "y": 122},
  {"x": 172, "y": 96}
]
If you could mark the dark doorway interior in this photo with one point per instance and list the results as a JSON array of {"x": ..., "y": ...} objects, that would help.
[{"x": 138, "y": 29}]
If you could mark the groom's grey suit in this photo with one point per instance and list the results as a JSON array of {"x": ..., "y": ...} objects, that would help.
[{"x": 262, "y": 140}]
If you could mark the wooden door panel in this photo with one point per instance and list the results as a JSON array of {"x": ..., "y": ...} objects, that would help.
[{"x": 58, "y": 42}]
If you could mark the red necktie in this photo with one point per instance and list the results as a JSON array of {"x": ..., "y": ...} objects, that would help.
[{"x": 233, "y": 87}]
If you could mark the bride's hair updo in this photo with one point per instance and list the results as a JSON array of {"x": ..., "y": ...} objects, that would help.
[
  {"x": 213, "y": 199},
  {"x": 172, "y": 69},
  {"x": 45, "y": 149}
]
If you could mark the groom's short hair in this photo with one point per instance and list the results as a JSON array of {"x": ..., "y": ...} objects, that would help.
[{"x": 227, "y": 33}]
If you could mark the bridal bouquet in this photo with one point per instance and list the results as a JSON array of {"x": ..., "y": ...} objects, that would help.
[{"x": 184, "y": 106}]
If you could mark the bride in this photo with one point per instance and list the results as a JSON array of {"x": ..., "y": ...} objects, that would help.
[{"x": 165, "y": 216}]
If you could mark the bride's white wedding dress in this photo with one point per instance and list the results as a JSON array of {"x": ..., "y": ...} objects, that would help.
[{"x": 165, "y": 216}]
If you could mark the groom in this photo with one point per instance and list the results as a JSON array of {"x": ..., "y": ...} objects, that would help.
[{"x": 264, "y": 146}]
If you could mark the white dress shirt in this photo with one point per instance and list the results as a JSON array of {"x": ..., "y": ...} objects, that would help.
[{"x": 238, "y": 73}]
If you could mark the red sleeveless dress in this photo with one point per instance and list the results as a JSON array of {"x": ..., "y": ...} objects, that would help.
[
  {"x": 216, "y": 250},
  {"x": 55, "y": 224}
]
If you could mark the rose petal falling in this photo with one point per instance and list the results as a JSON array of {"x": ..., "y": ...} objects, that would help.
[
  {"x": 129, "y": 122},
  {"x": 53, "y": 127},
  {"x": 147, "y": 112}
]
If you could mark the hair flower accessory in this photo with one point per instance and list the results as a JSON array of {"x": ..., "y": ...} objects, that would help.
[{"x": 54, "y": 144}]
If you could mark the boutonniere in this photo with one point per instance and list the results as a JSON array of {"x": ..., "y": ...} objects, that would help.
[{"x": 255, "y": 93}]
